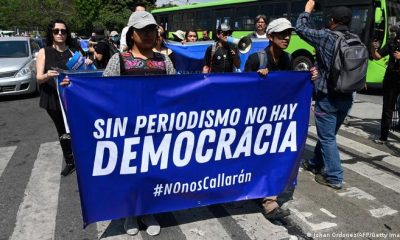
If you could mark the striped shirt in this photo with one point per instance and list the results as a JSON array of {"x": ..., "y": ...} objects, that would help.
[{"x": 324, "y": 42}]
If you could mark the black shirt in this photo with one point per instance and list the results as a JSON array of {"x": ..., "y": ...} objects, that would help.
[
  {"x": 253, "y": 62},
  {"x": 222, "y": 60},
  {"x": 48, "y": 91},
  {"x": 389, "y": 49}
]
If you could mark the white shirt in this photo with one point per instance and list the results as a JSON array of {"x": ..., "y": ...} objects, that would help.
[
  {"x": 122, "y": 40},
  {"x": 261, "y": 36}
]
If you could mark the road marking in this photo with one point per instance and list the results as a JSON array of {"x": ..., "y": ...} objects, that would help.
[
  {"x": 375, "y": 175},
  {"x": 36, "y": 217},
  {"x": 327, "y": 212},
  {"x": 193, "y": 225},
  {"x": 5, "y": 156},
  {"x": 253, "y": 222},
  {"x": 370, "y": 151},
  {"x": 381, "y": 212},
  {"x": 313, "y": 226},
  {"x": 357, "y": 193}
]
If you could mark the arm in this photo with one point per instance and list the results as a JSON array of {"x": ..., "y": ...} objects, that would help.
[
  {"x": 303, "y": 26},
  {"x": 113, "y": 67},
  {"x": 374, "y": 51},
  {"x": 236, "y": 58},
  {"x": 207, "y": 60},
  {"x": 41, "y": 76}
]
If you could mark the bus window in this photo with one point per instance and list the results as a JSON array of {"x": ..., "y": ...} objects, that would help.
[
  {"x": 245, "y": 18},
  {"x": 187, "y": 21},
  {"x": 280, "y": 10},
  {"x": 267, "y": 10},
  {"x": 203, "y": 20},
  {"x": 359, "y": 21}
]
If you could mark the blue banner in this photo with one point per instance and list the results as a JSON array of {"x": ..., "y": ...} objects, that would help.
[
  {"x": 189, "y": 56},
  {"x": 153, "y": 144}
]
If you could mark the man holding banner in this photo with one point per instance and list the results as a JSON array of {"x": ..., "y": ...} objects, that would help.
[{"x": 274, "y": 58}]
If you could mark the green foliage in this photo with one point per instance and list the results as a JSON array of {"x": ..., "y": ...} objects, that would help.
[{"x": 81, "y": 15}]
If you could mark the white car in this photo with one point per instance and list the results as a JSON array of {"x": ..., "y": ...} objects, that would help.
[{"x": 18, "y": 65}]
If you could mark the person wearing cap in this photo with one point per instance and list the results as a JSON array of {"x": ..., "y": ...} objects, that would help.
[
  {"x": 261, "y": 26},
  {"x": 391, "y": 81},
  {"x": 331, "y": 107},
  {"x": 179, "y": 36},
  {"x": 140, "y": 59},
  {"x": 114, "y": 40},
  {"x": 279, "y": 32},
  {"x": 220, "y": 57},
  {"x": 134, "y": 8}
]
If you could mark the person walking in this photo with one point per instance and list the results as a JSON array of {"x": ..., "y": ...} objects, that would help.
[
  {"x": 331, "y": 107},
  {"x": 140, "y": 59},
  {"x": 55, "y": 56},
  {"x": 391, "y": 83},
  {"x": 275, "y": 58}
]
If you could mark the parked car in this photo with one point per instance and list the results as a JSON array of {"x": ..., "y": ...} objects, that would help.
[{"x": 18, "y": 65}]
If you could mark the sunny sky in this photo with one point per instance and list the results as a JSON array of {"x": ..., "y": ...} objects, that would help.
[{"x": 180, "y": 2}]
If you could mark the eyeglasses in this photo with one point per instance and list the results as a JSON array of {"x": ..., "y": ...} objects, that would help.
[{"x": 58, "y": 31}]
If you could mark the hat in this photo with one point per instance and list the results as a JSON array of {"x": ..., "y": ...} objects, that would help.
[
  {"x": 113, "y": 33},
  {"x": 224, "y": 27},
  {"x": 279, "y": 25},
  {"x": 141, "y": 20},
  {"x": 179, "y": 34},
  {"x": 341, "y": 14}
]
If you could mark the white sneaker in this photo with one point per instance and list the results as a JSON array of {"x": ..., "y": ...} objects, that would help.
[
  {"x": 131, "y": 226},
  {"x": 153, "y": 228}
]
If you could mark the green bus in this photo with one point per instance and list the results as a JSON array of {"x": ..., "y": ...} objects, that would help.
[{"x": 371, "y": 20}]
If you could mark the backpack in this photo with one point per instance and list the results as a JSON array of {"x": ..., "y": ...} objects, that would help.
[{"x": 349, "y": 63}]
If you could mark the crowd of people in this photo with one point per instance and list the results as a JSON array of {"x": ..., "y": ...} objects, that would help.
[{"x": 140, "y": 50}]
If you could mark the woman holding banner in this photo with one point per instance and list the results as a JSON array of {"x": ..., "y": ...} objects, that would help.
[
  {"x": 55, "y": 56},
  {"x": 140, "y": 59}
]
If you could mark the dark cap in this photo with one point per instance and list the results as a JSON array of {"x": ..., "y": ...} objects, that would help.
[{"x": 341, "y": 14}]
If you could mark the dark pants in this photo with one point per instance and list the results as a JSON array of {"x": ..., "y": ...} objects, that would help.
[
  {"x": 65, "y": 140},
  {"x": 391, "y": 89}
]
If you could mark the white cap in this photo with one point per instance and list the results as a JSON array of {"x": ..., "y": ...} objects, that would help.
[
  {"x": 279, "y": 25},
  {"x": 141, "y": 19},
  {"x": 179, "y": 34}
]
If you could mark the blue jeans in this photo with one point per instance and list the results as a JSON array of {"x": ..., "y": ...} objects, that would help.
[{"x": 330, "y": 113}]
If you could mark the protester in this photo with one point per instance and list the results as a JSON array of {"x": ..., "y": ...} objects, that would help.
[
  {"x": 55, "y": 56},
  {"x": 261, "y": 26},
  {"x": 140, "y": 60},
  {"x": 391, "y": 83},
  {"x": 191, "y": 36},
  {"x": 275, "y": 59},
  {"x": 135, "y": 8},
  {"x": 160, "y": 44},
  {"x": 179, "y": 36},
  {"x": 101, "y": 49},
  {"x": 220, "y": 57},
  {"x": 114, "y": 41},
  {"x": 206, "y": 36},
  {"x": 331, "y": 107}
]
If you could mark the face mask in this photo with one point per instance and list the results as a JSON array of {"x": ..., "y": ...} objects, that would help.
[{"x": 115, "y": 38}]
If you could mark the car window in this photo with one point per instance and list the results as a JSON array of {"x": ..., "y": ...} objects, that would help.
[{"x": 14, "y": 49}]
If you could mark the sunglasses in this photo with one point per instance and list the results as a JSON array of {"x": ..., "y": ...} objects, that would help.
[
  {"x": 226, "y": 33},
  {"x": 58, "y": 31}
]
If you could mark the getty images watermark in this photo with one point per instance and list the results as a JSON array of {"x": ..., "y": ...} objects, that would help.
[{"x": 362, "y": 235}]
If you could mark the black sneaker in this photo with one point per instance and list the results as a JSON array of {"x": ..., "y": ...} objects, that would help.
[
  {"x": 306, "y": 166},
  {"x": 321, "y": 180},
  {"x": 277, "y": 213},
  {"x": 68, "y": 169}
]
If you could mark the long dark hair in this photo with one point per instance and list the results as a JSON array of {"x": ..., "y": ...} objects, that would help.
[
  {"x": 49, "y": 33},
  {"x": 129, "y": 40}
]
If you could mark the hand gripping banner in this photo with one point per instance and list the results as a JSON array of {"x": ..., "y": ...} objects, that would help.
[{"x": 155, "y": 144}]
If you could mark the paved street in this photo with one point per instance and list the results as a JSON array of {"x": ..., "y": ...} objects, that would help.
[{"x": 36, "y": 203}]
